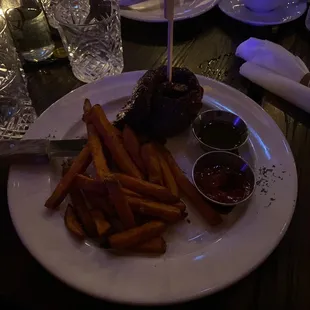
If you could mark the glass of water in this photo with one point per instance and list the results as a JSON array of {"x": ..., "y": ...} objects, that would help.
[
  {"x": 13, "y": 91},
  {"x": 30, "y": 30},
  {"x": 49, "y": 7},
  {"x": 91, "y": 33}
]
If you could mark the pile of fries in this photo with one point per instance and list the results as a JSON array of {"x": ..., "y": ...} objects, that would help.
[{"x": 134, "y": 195}]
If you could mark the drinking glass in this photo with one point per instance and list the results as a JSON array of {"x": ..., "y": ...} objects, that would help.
[
  {"x": 49, "y": 7},
  {"x": 30, "y": 30},
  {"x": 13, "y": 91},
  {"x": 91, "y": 37}
]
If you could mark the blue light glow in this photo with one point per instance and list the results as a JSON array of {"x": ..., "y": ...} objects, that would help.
[
  {"x": 218, "y": 104},
  {"x": 199, "y": 257},
  {"x": 237, "y": 121},
  {"x": 262, "y": 144},
  {"x": 244, "y": 167}
]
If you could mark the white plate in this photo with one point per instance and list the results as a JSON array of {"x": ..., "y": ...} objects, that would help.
[
  {"x": 284, "y": 14},
  {"x": 199, "y": 260},
  {"x": 153, "y": 10}
]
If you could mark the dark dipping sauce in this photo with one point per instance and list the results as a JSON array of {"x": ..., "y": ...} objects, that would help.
[
  {"x": 222, "y": 184},
  {"x": 220, "y": 135}
]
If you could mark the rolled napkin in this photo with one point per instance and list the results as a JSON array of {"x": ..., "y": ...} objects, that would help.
[
  {"x": 277, "y": 70},
  {"x": 273, "y": 57},
  {"x": 283, "y": 87}
]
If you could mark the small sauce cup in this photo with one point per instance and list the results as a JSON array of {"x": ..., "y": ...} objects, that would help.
[
  {"x": 218, "y": 130},
  {"x": 224, "y": 178}
]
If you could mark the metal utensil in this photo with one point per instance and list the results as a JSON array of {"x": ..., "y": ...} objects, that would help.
[{"x": 38, "y": 151}]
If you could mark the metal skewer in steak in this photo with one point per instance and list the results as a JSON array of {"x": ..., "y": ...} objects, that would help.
[{"x": 159, "y": 108}]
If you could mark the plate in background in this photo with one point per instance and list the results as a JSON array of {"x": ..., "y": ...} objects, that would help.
[
  {"x": 153, "y": 10},
  {"x": 281, "y": 15}
]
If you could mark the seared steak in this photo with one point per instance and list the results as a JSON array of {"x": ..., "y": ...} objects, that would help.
[{"x": 161, "y": 109}]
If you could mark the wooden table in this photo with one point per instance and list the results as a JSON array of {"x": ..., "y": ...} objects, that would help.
[{"x": 205, "y": 45}]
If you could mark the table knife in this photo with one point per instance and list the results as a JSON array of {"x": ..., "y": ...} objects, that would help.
[{"x": 38, "y": 151}]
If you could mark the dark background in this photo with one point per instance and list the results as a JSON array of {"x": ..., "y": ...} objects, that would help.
[{"x": 205, "y": 45}]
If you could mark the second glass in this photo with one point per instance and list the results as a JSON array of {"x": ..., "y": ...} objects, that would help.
[
  {"x": 49, "y": 7},
  {"x": 29, "y": 29},
  {"x": 92, "y": 37},
  {"x": 13, "y": 91}
]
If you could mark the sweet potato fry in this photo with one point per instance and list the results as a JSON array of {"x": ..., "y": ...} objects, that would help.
[
  {"x": 112, "y": 141},
  {"x": 154, "y": 246},
  {"x": 103, "y": 226},
  {"x": 98, "y": 201},
  {"x": 72, "y": 223},
  {"x": 180, "y": 205},
  {"x": 86, "y": 183},
  {"x": 165, "y": 212},
  {"x": 212, "y": 217},
  {"x": 79, "y": 165},
  {"x": 83, "y": 214},
  {"x": 119, "y": 200},
  {"x": 86, "y": 106},
  {"x": 135, "y": 236},
  {"x": 95, "y": 147},
  {"x": 148, "y": 189},
  {"x": 117, "y": 226},
  {"x": 151, "y": 162},
  {"x": 130, "y": 193},
  {"x": 132, "y": 145},
  {"x": 90, "y": 185},
  {"x": 168, "y": 177},
  {"x": 118, "y": 133}
]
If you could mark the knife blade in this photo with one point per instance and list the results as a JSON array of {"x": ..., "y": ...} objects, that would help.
[{"x": 38, "y": 151}]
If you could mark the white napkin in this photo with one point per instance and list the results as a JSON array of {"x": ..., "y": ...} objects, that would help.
[
  {"x": 275, "y": 69},
  {"x": 283, "y": 87},
  {"x": 273, "y": 57}
]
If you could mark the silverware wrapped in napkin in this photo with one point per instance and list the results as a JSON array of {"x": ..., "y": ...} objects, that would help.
[{"x": 277, "y": 70}]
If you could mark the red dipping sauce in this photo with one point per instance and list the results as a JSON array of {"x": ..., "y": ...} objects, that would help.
[{"x": 222, "y": 184}]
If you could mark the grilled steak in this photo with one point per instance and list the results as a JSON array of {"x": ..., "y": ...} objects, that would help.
[{"x": 159, "y": 108}]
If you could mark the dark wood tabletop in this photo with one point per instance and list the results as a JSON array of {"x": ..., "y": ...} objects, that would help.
[{"x": 205, "y": 45}]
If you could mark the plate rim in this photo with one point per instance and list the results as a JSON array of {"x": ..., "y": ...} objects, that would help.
[
  {"x": 181, "y": 299},
  {"x": 261, "y": 24},
  {"x": 124, "y": 14}
]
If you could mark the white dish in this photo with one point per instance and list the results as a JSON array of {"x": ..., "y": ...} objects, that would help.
[
  {"x": 199, "y": 260},
  {"x": 281, "y": 15},
  {"x": 153, "y": 10}
]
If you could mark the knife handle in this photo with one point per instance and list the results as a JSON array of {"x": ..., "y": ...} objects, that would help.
[{"x": 23, "y": 151}]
